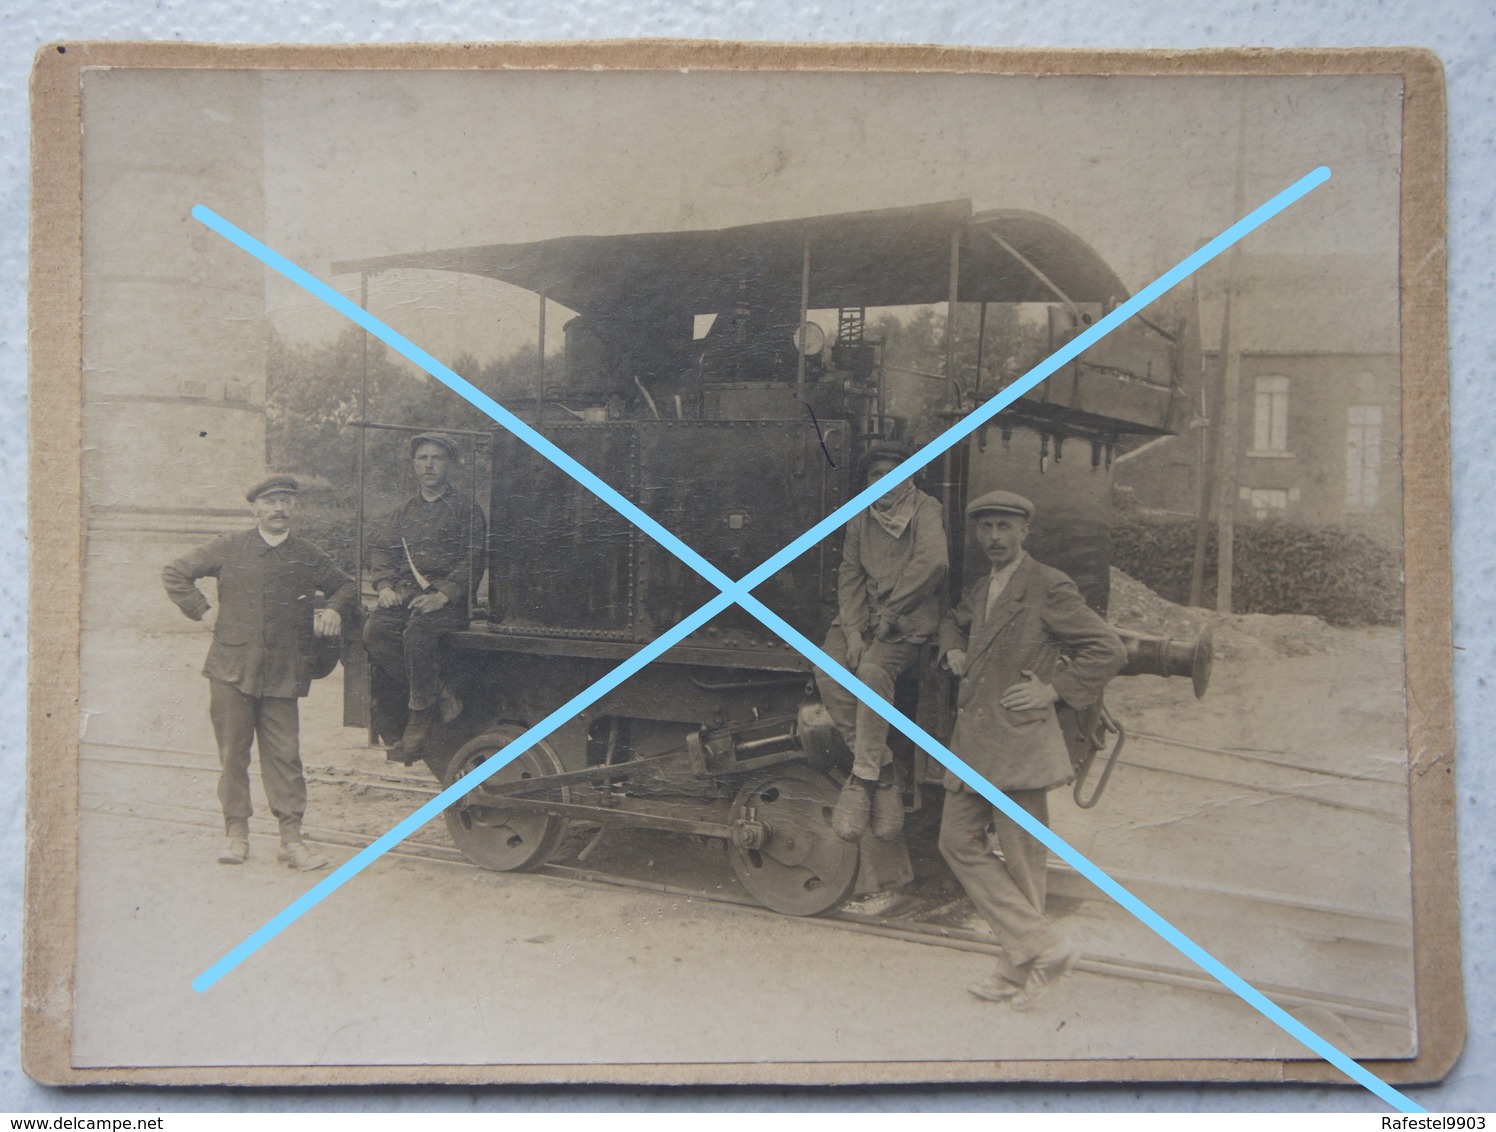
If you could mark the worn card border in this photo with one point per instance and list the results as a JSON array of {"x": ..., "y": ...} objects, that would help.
[{"x": 55, "y": 426}]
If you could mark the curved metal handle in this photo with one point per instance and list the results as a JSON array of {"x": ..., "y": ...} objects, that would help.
[{"x": 1108, "y": 723}]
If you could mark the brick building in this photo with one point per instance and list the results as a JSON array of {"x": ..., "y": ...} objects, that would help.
[{"x": 1319, "y": 419}]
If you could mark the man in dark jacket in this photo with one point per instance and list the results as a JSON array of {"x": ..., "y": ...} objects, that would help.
[
  {"x": 421, "y": 566},
  {"x": 1021, "y": 640},
  {"x": 893, "y": 562},
  {"x": 259, "y": 663}
]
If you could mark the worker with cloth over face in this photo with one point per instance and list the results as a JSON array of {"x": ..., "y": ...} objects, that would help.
[
  {"x": 421, "y": 564},
  {"x": 893, "y": 563},
  {"x": 1021, "y": 640}
]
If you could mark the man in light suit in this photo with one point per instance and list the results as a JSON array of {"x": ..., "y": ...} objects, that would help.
[{"x": 1021, "y": 640}]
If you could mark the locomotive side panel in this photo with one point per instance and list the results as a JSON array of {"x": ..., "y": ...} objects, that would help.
[
  {"x": 560, "y": 560},
  {"x": 739, "y": 491},
  {"x": 563, "y": 563}
]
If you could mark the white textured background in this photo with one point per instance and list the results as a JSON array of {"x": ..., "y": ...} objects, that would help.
[{"x": 1462, "y": 33}]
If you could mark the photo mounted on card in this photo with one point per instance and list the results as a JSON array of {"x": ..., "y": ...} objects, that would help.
[{"x": 401, "y": 415}]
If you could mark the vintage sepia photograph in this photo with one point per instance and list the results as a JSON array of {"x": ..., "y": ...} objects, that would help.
[{"x": 1158, "y": 600}]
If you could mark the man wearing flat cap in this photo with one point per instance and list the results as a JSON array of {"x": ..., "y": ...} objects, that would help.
[
  {"x": 260, "y": 662},
  {"x": 421, "y": 566},
  {"x": 1021, "y": 640},
  {"x": 893, "y": 563}
]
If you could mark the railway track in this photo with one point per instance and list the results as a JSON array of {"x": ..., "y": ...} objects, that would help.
[
  {"x": 914, "y": 920},
  {"x": 1296, "y": 781},
  {"x": 1360, "y": 923},
  {"x": 1310, "y": 777}
]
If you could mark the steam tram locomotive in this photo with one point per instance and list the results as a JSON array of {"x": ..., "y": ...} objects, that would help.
[{"x": 699, "y": 381}]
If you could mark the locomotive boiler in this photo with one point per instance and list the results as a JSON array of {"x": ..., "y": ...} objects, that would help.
[{"x": 727, "y": 382}]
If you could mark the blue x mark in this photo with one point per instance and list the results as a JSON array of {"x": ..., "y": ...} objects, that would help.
[{"x": 740, "y": 592}]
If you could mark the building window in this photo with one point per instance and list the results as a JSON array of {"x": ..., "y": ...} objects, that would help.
[
  {"x": 1268, "y": 503},
  {"x": 1270, "y": 428},
  {"x": 1363, "y": 458}
]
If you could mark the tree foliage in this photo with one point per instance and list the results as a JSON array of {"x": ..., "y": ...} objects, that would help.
[
  {"x": 1340, "y": 575},
  {"x": 313, "y": 396},
  {"x": 914, "y": 348}
]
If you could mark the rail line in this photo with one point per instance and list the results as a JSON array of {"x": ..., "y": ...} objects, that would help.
[
  {"x": 421, "y": 785},
  {"x": 898, "y": 927},
  {"x": 1298, "y": 792},
  {"x": 1134, "y": 737},
  {"x": 1257, "y": 755}
]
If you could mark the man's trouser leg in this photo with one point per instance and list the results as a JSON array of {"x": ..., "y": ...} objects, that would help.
[
  {"x": 420, "y": 643},
  {"x": 865, "y": 731},
  {"x": 883, "y": 662},
  {"x": 1026, "y": 857},
  {"x": 1020, "y": 927},
  {"x": 384, "y": 633},
  {"x": 279, "y": 731},
  {"x": 233, "y": 715},
  {"x": 383, "y": 639},
  {"x": 841, "y": 705}
]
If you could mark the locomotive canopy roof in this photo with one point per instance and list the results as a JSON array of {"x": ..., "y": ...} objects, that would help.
[{"x": 888, "y": 257}]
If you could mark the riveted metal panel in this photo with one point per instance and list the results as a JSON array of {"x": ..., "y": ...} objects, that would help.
[
  {"x": 739, "y": 491},
  {"x": 561, "y": 560}
]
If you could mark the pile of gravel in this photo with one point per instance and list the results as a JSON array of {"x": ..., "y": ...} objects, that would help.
[{"x": 1135, "y": 607}]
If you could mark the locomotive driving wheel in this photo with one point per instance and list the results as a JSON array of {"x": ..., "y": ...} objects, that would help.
[
  {"x": 783, "y": 848},
  {"x": 489, "y": 832}
]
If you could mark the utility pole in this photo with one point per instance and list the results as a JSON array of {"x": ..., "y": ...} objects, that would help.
[
  {"x": 1227, "y": 450},
  {"x": 950, "y": 318},
  {"x": 1206, "y": 446},
  {"x": 1228, "y": 444}
]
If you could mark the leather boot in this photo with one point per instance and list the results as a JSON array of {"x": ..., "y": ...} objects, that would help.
[
  {"x": 416, "y": 731},
  {"x": 850, "y": 818},
  {"x": 1003, "y": 984},
  {"x": 236, "y": 849},
  {"x": 449, "y": 704},
  {"x": 298, "y": 855},
  {"x": 1044, "y": 971}
]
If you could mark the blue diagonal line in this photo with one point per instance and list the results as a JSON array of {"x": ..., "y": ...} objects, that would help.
[
  {"x": 1071, "y": 350},
  {"x": 474, "y": 396},
  {"x": 738, "y": 592},
  {"x": 378, "y": 848},
  {"x": 1151, "y": 919}
]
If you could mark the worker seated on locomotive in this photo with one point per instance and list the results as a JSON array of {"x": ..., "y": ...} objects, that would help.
[
  {"x": 1021, "y": 640},
  {"x": 894, "y": 561},
  {"x": 420, "y": 566}
]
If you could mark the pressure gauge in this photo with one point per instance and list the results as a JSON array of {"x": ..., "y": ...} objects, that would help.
[{"x": 810, "y": 339}]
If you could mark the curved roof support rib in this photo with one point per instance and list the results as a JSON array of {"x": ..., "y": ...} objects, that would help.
[{"x": 1021, "y": 258}]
